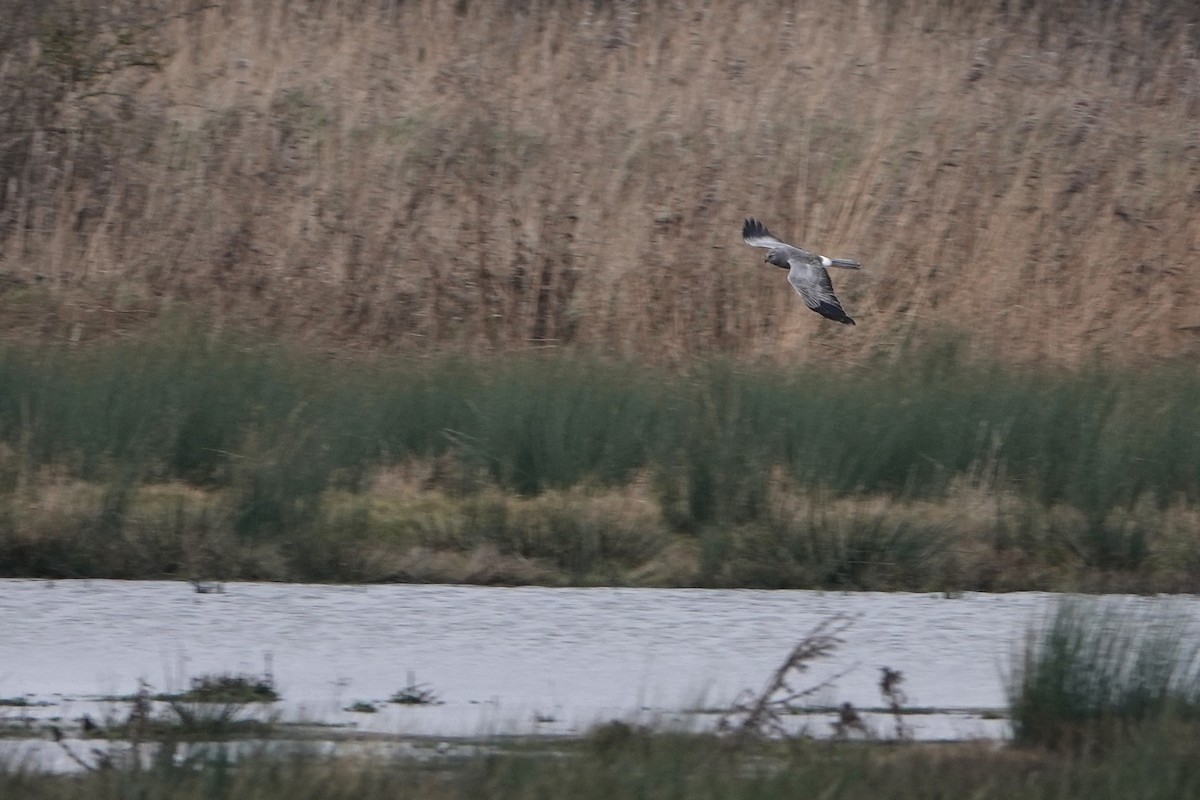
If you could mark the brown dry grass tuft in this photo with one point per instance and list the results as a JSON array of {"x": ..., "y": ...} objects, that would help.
[
  {"x": 405, "y": 529},
  {"x": 493, "y": 176}
]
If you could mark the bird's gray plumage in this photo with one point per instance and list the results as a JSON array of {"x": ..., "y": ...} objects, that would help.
[{"x": 806, "y": 271}]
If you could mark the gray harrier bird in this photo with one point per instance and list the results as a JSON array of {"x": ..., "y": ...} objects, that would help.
[{"x": 806, "y": 271}]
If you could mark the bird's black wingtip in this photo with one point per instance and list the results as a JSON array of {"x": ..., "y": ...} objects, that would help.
[
  {"x": 752, "y": 227},
  {"x": 829, "y": 311}
]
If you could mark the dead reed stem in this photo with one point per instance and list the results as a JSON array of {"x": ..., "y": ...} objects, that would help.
[{"x": 762, "y": 715}]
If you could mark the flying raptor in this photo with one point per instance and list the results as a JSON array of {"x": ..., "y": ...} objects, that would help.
[{"x": 806, "y": 271}]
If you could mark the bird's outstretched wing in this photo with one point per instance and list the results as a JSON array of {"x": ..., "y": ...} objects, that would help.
[
  {"x": 812, "y": 283},
  {"x": 755, "y": 234}
]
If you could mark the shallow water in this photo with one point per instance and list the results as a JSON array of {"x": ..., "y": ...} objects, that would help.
[{"x": 503, "y": 660}]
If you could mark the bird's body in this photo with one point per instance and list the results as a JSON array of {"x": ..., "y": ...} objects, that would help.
[{"x": 806, "y": 271}]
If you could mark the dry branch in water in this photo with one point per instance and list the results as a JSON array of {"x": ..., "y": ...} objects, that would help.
[{"x": 762, "y": 715}]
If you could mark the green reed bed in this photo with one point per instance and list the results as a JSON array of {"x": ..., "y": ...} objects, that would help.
[
  {"x": 660, "y": 766},
  {"x": 201, "y": 412},
  {"x": 182, "y": 439}
]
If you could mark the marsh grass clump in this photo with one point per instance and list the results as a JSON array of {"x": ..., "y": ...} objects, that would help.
[
  {"x": 1094, "y": 671},
  {"x": 166, "y": 719},
  {"x": 218, "y": 704},
  {"x": 591, "y": 536},
  {"x": 854, "y": 552},
  {"x": 228, "y": 687},
  {"x": 415, "y": 694}
]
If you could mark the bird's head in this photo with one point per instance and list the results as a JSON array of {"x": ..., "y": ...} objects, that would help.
[{"x": 777, "y": 258}]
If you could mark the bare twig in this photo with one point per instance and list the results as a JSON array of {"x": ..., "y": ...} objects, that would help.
[
  {"x": 762, "y": 715},
  {"x": 894, "y": 696}
]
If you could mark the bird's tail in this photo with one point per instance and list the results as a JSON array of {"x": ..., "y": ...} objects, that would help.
[{"x": 845, "y": 263}]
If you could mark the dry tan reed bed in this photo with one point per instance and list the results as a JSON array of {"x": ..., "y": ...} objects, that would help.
[{"x": 487, "y": 175}]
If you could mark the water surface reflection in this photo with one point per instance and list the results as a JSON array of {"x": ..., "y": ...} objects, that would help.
[{"x": 503, "y": 660}]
